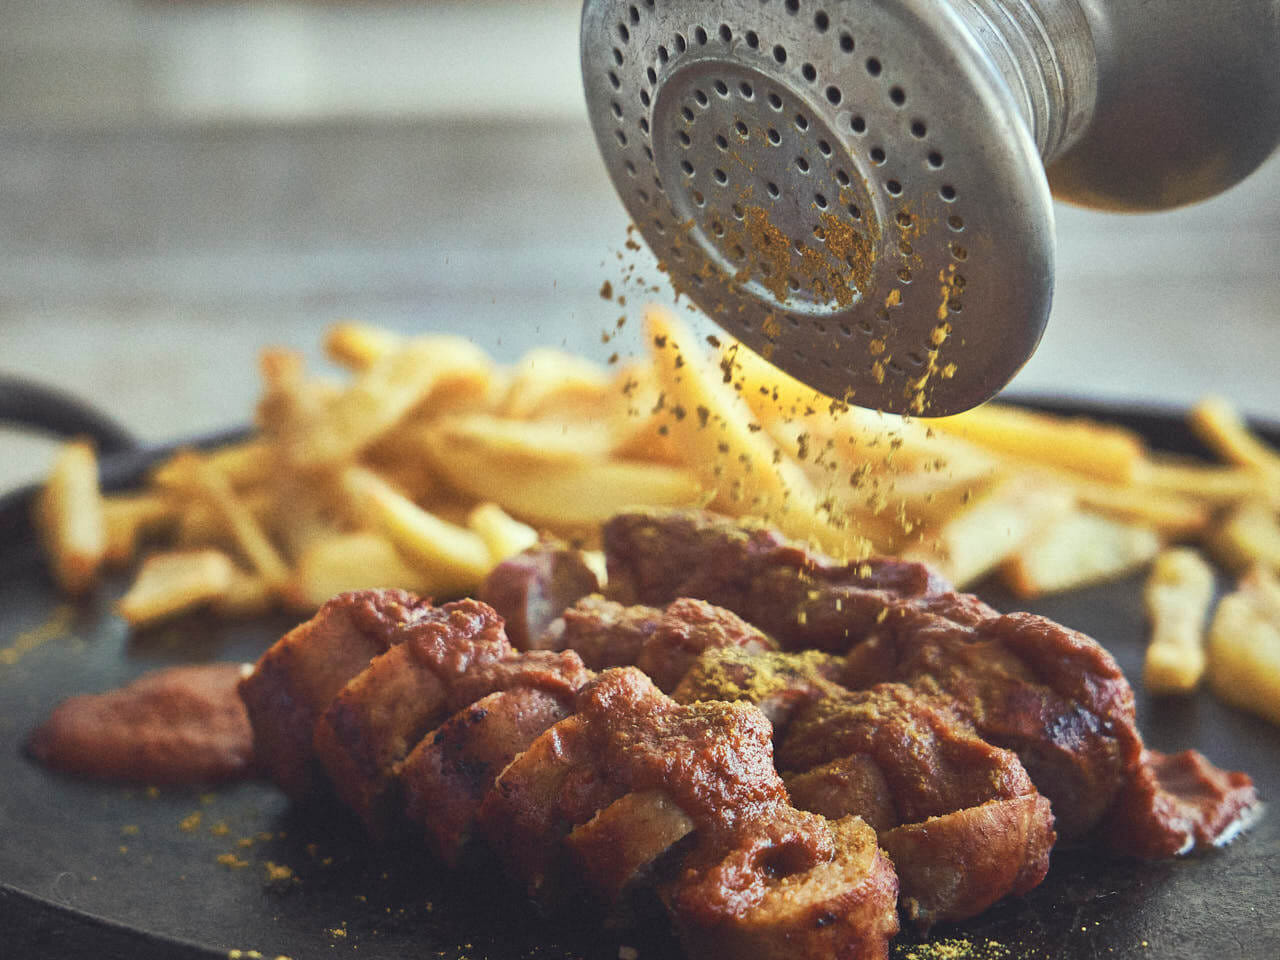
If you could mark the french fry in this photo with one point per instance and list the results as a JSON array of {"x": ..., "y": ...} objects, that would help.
[
  {"x": 567, "y": 496},
  {"x": 502, "y": 534},
  {"x": 466, "y": 390},
  {"x": 358, "y": 346},
  {"x": 381, "y": 396},
  {"x": 201, "y": 524},
  {"x": 866, "y": 509},
  {"x": 1172, "y": 514},
  {"x": 245, "y": 465},
  {"x": 929, "y": 498},
  {"x": 1078, "y": 549},
  {"x": 245, "y": 529},
  {"x": 290, "y": 404},
  {"x": 649, "y": 438},
  {"x": 735, "y": 458},
  {"x": 770, "y": 393},
  {"x": 69, "y": 518},
  {"x": 640, "y": 428},
  {"x": 1209, "y": 484},
  {"x": 1244, "y": 647},
  {"x": 1223, "y": 430},
  {"x": 127, "y": 517},
  {"x": 972, "y": 543},
  {"x": 555, "y": 383},
  {"x": 523, "y": 442},
  {"x": 172, "y": 583},
  {"x": 1263, "y": 589},
  {"x": 1177, "y": 596},
  {"x": 1077, "y": 445},
  {"x": 247, "y": 595},
  {"x": 453, "y": 558},
  {"x": 349, "y": 561},
  {"x": 1249, "y": 536}
]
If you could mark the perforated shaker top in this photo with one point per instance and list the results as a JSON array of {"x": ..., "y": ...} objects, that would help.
[{"x": 844, "y": 186}]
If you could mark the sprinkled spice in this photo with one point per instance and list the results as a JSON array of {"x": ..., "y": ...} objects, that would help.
[{"x": 956, "y": 949}]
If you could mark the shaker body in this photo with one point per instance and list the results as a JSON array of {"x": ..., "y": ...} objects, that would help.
[{"x": 1188, "y": 102}]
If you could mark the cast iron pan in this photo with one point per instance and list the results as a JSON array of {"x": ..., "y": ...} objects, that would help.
[{"x": 98, "y": 870}]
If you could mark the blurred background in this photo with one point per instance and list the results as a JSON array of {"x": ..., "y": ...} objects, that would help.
[{"x": 183, "y": 183}]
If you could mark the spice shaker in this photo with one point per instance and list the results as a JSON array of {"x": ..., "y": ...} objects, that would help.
[{"x": 861, "y": 191}]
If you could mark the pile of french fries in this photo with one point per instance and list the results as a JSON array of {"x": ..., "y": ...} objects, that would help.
[{"x": 430, "y": 463}]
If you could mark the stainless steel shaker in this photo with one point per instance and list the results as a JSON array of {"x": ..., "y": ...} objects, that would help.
[{"x": 861, "y": 189}]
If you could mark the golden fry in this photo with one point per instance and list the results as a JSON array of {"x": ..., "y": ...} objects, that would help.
[
  {"x": 349, "y": 561},
  {"x": 245, "y": 529},
  {"x": 69, "y": 518},
  {"x": 247, "y": 595},
  {"x": 381, "y": 396},
  {"x": 567, "y": 496},
  {"x": 453, "y": 558},
  {"x": 1244, "y": 647},
  {"x": 993, "y": 528},
  {"x": 1078, "y": 549},
  {"x": 246, "y": 464},
  {"x": 358, "y": 346},
  {"x": 524, "y": 442},
  {"x": 201, "y": 524},
  {"x": 172, "y": 583},
  {"x": 1209, "y": 484},
  {"x": 128, "y": 517},
  {"x": 1221, "y": 427},
  {"x": 1248, "y": 537},
  {"x": 1077, "y": 445},
  {"x": 1172, "y": 514},
  {"x": 738, "y": 463},
  {"x": 770, "y": 393},
  {"x": 502, "y": 534},
  {"x": 640, "y": 428},
  {"x": 554, "y": 383},
  {"x": 1177, "y": 596}
]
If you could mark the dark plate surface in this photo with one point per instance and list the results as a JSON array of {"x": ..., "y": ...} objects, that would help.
[{"x": 99, "y": 870}]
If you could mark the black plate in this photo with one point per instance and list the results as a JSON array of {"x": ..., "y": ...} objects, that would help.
[{"x": 98, "y": 870}]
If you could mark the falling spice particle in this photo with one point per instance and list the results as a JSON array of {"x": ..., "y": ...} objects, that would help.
[
  {"x": 232, "y": 861},
  {"x": 191, "y": 822}
]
